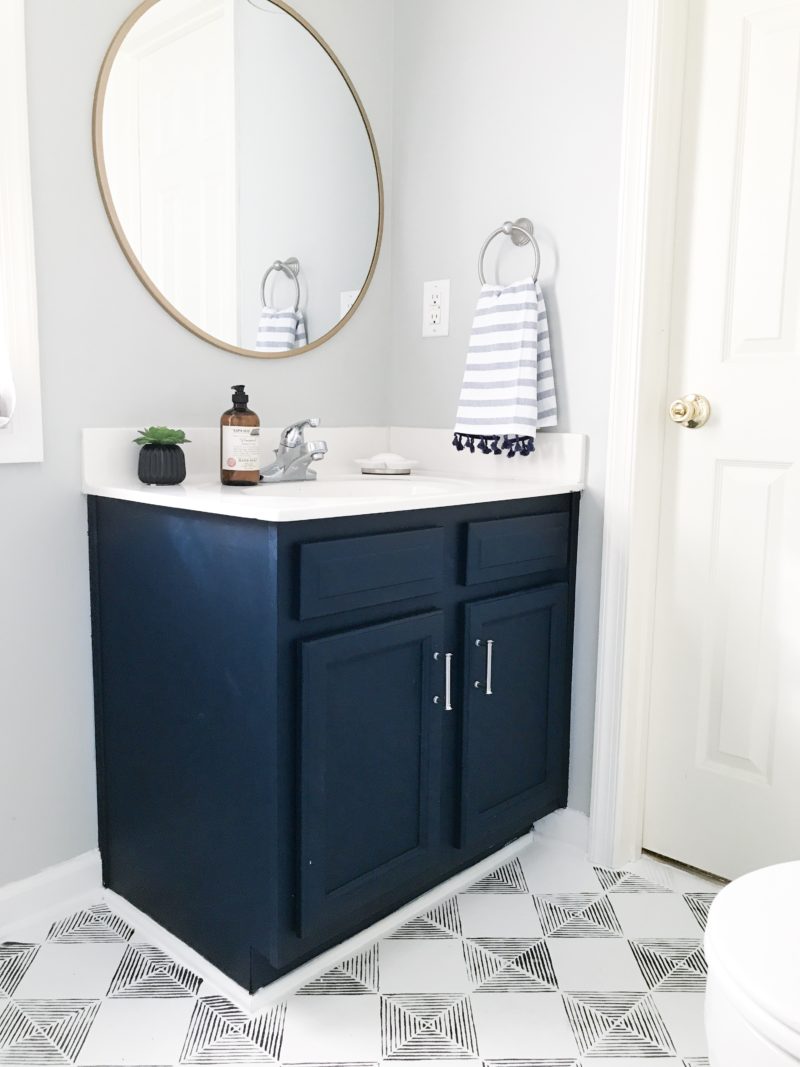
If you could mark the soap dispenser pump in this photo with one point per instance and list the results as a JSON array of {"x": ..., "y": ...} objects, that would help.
[{"x": 240, "y": 442}]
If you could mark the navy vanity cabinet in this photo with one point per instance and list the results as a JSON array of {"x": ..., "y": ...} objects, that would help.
[
  {"x": 277, "y": 764},
  {"x": 370, "y": 780},
  {"x": 514, "y": 721}
]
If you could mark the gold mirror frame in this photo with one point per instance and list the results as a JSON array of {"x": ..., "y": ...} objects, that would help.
[{"x": 119, "y": 233}]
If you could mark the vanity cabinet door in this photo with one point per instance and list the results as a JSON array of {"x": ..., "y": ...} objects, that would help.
[
  {"x": 369, "y": 775},
  {"x": 516, "y": 713}
]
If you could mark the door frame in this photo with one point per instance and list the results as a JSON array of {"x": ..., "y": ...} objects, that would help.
[{"x": 652, "y": 119}]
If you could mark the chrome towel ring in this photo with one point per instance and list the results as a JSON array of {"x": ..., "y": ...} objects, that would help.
[
  {"x": 521, "y": 233},
  {"x": 289, "y": 267}
]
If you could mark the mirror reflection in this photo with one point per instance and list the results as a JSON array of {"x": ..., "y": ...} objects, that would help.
[{"x": 239, "y": 171}]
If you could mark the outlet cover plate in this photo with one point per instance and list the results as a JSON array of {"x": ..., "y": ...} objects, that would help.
[{"x": 436, "y": 308}]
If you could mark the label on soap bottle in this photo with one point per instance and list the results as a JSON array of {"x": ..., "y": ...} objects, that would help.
[{"x": 241, "y": 448}]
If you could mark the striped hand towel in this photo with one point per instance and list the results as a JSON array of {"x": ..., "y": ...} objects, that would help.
[
  {"x": 508, "y": 389},
  {"x": 281, "y": 330}
]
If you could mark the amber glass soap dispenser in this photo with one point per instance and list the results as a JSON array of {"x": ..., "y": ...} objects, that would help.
[{"x": 240, "y": 442}]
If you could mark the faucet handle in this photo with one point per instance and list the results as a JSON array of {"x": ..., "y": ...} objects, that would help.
[{"x": 293, "y": 434}]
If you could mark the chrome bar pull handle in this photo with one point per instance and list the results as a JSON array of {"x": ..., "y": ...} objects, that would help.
[
  {"x": 487, "y": 686},
  {"x": 448, "y": 680}
]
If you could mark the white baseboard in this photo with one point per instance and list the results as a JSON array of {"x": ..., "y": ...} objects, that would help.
[
  {"x": 567, "y": 825},
  {"x": 78, "y": 883},
  {"x": 307, "y": 972},
  {"x": 67, "y": 885}
]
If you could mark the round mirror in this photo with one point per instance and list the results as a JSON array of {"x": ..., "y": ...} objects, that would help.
[{"x": 239, "y": 172}]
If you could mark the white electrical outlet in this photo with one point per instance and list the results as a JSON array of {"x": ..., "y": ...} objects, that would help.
[
  {"x": 436, "y": 309},
  {"x": 346, "y": 301}
]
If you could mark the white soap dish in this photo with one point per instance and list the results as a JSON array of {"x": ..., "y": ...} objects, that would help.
[{"x": 387, "y": 463}]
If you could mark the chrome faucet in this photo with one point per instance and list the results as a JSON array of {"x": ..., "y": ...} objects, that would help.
[{"x": 294, "y": 455}]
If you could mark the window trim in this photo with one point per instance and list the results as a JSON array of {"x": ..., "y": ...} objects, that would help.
[{"x": 21, "y": 440}]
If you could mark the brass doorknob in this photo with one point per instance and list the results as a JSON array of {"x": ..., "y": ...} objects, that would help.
[{"x": 691, "y": 411}]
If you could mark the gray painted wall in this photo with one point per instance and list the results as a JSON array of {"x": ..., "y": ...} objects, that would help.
[
  {"x": 525, "y": 119},
  {"x": 111, "y": 357},
  {"x": 507, "y": 109}
]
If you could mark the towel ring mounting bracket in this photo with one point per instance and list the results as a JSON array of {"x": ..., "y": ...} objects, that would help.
[
  {"x": 521, "y": 233},
  {"x": 291, "y": 268}
]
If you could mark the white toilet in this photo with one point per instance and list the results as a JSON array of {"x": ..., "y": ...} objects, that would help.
[{"x": 752, "y": 945}]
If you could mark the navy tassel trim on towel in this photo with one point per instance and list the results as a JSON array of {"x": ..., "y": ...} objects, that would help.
[{"x": 511, "y": 445}]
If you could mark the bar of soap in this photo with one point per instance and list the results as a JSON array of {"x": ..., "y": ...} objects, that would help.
[{"x": 387, "y": 463}]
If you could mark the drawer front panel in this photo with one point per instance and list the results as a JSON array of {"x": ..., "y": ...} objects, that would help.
[
  {"x": 360, "y": 572},
  {"x": 515, "y": 548}
]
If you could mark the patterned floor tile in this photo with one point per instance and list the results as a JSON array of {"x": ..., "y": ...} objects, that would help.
[
  {"x": 332, "y": 1030},
  {"x": 96, "y": 923},
  {"x": 71, "y": 971},
  {"x": 618, "y": 1024},
  {"x": 219, "y": 1033},
  {"x": 683, "y": 1015},
  {"x": 435, "y": 1027},
  {"x": 146, "y": 1031},
  {"x": 597, "y": 963},
  {"x": 506, "y": 879},
  {"x": 524, "y": 1026},
  {"x": 546, "y": 962},
  {"x": 423, "y": 967},
  {"x": 442, "y": 922},
  {"x": 676, "y": 965},
  {"x": 551, "y": 867},
  {"x": 654, "y": 915},
  {"x": 577, "y": 915},
  {"x": 485, "y": 915},
  {"x": 531, "y": 1063},
  {"x": 15, "y": 959},
  {"x": 509, "y": 965},
  {"x": 627, "y": 882},
  {"x": 356, "y": 976},
  {"x": 42, "y": 1032},
  {"x": 699, "y": 905},
  {"x": 145, "y": 971},
  {"x": 632, "y": 1061}
]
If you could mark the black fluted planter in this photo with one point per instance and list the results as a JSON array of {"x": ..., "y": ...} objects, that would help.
[{"x": 162, "y": 465}]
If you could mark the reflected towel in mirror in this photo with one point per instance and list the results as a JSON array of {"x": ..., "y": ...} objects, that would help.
[
  {"x": 281, "y": 330},
  {"x": 508, "y": 391}
]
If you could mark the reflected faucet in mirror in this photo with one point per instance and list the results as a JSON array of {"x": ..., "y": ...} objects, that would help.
[{"x": 294, "y": 455}]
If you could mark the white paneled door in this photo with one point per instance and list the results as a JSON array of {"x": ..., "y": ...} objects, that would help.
[
  {"x": 170, "y": 148},
  {"x": 723, "y": 769}
]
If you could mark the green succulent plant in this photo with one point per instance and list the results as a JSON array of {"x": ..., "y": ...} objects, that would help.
[{"x": 161, "y": 435}]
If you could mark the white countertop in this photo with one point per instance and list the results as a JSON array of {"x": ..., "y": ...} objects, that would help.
[{"x": 446, "y": 478}]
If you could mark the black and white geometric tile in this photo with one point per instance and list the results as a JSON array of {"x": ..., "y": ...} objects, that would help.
[
  {"x": 699, "y": 903},
  {"x": 94, "y": 924},
  {"x": 145, "y": 971},
  {"x": 617, "y": 1025},
  {"x": 546, "y": 962},
  {"x": 578, "y": 915},
  {"x": 357, "y": 976},
  {"x": 14, "y": 961}
]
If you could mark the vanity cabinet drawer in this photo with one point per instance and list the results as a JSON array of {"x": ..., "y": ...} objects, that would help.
[
  {"x": 515, "y": 548},
  {"x": 361, "y": 572}
]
